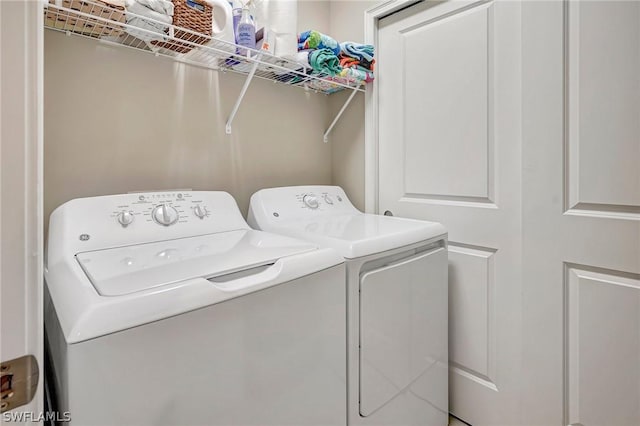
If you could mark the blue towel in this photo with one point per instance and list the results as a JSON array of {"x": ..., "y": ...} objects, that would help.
[
  {"x": 358, "y": 51},
  {"x": 324, "y": 61},
  {"x": 316, "y": 40}
]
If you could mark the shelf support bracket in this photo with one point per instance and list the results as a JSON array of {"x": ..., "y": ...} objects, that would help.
[
  {"x": 247, "y": 82},
  {"x": 335, "y": 120}
]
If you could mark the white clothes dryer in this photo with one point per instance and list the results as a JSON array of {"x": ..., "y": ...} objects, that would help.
[
  {"x": 397, "y": 299},
  {"x": 167, "y": 309}
]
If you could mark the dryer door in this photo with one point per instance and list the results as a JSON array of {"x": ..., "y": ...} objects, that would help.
[{"x": 403, "y": 332}]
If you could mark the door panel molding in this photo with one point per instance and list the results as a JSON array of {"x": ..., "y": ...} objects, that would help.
[
  {"x": 449, "y": 200},
  {"x": 604, "y": 183},
  {"x": 606, "y": 303},
  {"x": 433, "y": 168},
  {"x": 472, "y": 323},
  {"x": 604, "y": 211}
]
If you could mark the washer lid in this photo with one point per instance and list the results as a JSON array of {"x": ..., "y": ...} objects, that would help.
[
  {"x": 125, "y": 270},
  {"x": 356, "y": 235}
]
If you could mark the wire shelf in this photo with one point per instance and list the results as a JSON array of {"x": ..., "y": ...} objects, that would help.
[{"x": 113, "y": 25}]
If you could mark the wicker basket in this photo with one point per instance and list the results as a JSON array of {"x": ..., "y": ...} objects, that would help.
[
  {"x": 75, "y": 22},
  {"x": 193, "y": 15}
]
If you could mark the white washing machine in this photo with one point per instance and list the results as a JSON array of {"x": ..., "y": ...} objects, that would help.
[
  {"x": 167, "y": 309},
  {"x": 396, "y": 297}
]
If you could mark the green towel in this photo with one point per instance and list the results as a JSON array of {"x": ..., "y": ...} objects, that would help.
[{"x": 324, "y": 61}]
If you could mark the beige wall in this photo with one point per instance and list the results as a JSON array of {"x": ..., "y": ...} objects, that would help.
[
  {"x": 347, "y": 139},
  {"x": 117, "y": 120}
]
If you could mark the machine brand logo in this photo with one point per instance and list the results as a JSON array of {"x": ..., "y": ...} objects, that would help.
[{"x": 84, "y": 237}]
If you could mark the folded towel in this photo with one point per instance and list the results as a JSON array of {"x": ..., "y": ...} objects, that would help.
[
  {"x": 149, "y": 26},
  {"x": 161, "y": 6},
  {"x": 357, "y": 74},
  {"x": 358, "y": 51},
  {"x": 367, "y": 64},
  {"x": 351, "y": 62},
  {"x": 303, "y": 57},
  {"x": 316, "y": 40},
  {"x": 348, "y": 61},
  {"x": 142, "y": 17},
  {"x": 324, "y": 61}
]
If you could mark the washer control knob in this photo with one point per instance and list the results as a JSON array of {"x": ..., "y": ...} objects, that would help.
[
  {"x": 200, "y": 211},
  {"x": 165, "y": 215},
  {"x": 327, "y": 199},
  {"x": 125, "y": 218},
  {"x": 310, "y": 201}
]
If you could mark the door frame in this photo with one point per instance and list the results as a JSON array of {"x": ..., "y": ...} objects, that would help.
[
  {"x": 22, "y": 297},
  {"x": 372, "y": 17}
]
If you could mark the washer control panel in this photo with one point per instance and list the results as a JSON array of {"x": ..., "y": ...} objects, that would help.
[
  {"x": 162, "y": 208},
  {"x": 109, "y": 221}
]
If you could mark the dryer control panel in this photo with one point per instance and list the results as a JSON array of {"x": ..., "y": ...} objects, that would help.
[
  {"x": 326, "y": 198},
  {"x": 298, "y": 202}
]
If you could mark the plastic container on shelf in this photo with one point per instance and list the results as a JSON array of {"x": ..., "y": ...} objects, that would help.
[
  {"x": 246, "y": 33},
  {"x": 105, "y": 19},
  {"x": 236, "y": 13},
  {"x": 222, "y": 25}
]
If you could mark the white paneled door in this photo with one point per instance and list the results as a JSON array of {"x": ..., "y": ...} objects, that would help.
[
  {"x": 450, "y": 152},
  {"x": 581, "y": 212},
  {"x": 517, "y": 125}
]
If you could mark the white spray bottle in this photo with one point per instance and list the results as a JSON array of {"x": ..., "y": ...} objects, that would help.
[{"x": 246, "y": 31}]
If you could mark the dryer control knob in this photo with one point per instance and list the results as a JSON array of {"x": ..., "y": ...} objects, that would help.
[
  {"x": 125, "y": 218},
  {"x": 200, "y": 211},
  {"x": 328, "y": 199},
  {"x": 165, "y": 215},
  {"x": 310, "y": 201}
]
